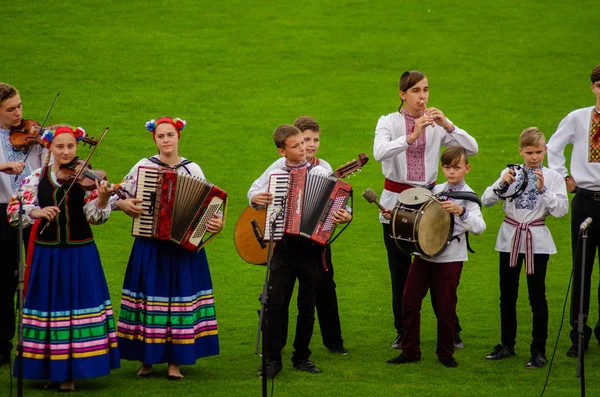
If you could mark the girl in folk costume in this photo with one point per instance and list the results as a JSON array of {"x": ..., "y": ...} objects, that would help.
[
  {"x": 167, "y": 306},
  {"x": 68, "y": 325}
]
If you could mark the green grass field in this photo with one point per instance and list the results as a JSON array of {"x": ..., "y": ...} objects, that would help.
[{"x": 237, "y": 69}]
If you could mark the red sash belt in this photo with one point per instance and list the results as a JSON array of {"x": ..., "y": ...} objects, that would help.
[
  {"x": 516, "y": 242},
  {"x": 395, "y": 187}
]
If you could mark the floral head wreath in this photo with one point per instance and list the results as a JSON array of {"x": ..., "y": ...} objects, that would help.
[
  {"x": 178, "y": 123},
  {"x": 49, "y": 135}
]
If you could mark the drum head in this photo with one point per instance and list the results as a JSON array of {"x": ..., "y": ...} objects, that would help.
[
  {"x": 415, "y": 195},
  {"x": 435, "y": 229}
]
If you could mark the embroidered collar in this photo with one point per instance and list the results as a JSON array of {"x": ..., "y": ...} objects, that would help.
[
  {"x": 454, "y": 188},
  {"x": 408, "y": 115},
  {"x": 296, "y": 166}
]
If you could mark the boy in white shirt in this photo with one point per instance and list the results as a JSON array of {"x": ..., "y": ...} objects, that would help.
[
  {"x": 441, "y": 273},
  {"x": 523, "y": 236}
]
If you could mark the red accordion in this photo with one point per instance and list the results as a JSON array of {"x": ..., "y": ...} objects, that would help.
[
  {"x": 309, "y": 202},
  {"x": 176, "y": 207}
]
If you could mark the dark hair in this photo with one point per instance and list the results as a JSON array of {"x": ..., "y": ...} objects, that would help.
[
  {"x": 304, "y": 123},
  {"x": 408, "y": 80},
  {"x": 282, "y": 133},
  {"x": 596, "y": 74},
  {"x": 453, "y": 155},
  {"x": 7, "y": 91}
]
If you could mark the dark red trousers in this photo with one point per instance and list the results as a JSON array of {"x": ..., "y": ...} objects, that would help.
[{"x": 443, "y": 280}]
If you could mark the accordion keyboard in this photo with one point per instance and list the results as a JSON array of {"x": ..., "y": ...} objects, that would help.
[{"x": 278, "y": 187}]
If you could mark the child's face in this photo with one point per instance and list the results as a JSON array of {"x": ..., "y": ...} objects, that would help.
[
  {"x": 596, "y": 90},
  {"x": 11, "y": 112},
  {"x": 63, "y": 148},
  {"x": 311, "y": 143},
  {"x": 166, "y": 138},
  {"x": 455, "y": 173},
  {"x": 294, "y": 151},
  {"x": 533, "y": 155},
  {"x": 414, "y": 96}
]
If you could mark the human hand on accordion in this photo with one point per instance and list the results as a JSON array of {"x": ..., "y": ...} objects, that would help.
[
  {"x": 215, "y": 224},
  {"x": 341, "y": 216},
  {"x": 262, "y": 199},
  {"x": 130, "y": 207}
]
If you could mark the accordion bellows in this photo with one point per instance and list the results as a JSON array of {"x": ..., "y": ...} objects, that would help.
[
  {"x": 176, "y": 207},
  {"x": 309, "y": 202}
]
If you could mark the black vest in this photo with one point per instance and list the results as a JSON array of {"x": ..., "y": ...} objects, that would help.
[{"x": 72, "y": 227}]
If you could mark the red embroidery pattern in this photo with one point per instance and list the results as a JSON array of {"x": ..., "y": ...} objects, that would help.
[
  {"x": 415, "y": 154},
  {"x": 595, "y": 138}
]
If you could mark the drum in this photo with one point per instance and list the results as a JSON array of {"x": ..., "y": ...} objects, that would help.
[
  {"x": 512, "y": 191},
  {"x": 423, "y": 229}
]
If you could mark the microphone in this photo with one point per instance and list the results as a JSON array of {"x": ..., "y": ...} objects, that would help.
[
  {"x": 275, "y": 213},
  {"x": 585, "y": 224},
  {"x": 371, "y": 197}
]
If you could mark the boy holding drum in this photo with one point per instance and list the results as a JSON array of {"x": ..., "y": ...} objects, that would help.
[{"x": 441, "y": 273}]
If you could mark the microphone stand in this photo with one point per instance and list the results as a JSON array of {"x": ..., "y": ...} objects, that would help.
[
  {"x": 580, "y": 324},
  {"x": 20, "y": 286},
  {"x": 263, "y": 325}
]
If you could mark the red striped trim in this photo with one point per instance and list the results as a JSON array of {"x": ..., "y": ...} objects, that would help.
[{"x": 516, "y": 242}]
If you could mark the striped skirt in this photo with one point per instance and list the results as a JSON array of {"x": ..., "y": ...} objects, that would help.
[
  {"x": 167, "y": 305},
  {"x": 68, "y": 323}
]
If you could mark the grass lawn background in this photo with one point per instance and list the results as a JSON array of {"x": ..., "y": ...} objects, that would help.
[{"x": 235, "y": 70}]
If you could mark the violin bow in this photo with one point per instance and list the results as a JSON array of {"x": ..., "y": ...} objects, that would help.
[
  {"x": 83, "y": 167},
  {"x": 42, "y": 126}
]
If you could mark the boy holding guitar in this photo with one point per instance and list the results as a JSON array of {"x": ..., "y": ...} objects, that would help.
[
  {"x": 293, "y": 258},
  {"x": 326, "y": 297}
]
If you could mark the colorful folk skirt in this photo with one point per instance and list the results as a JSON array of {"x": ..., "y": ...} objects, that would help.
[
  {"x": 68, "y": 324},
  {"x": 167, "y": 305}
]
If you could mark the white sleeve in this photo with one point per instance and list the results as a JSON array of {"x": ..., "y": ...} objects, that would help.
[
  {"x": 28, "y": 191},
  {"x": 555, "y": 197},
  {"x": 473, "y": 219},
  {"x": 384, "y": 147},
  {"x": 262, "y": 183},
  {"x": 556, "y": 146},
  {"x": 93, "y": 214},
  {"x": 462, "y": 138}
]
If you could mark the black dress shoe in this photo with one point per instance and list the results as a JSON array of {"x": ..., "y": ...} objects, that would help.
[
  {"x": 449, "y": 362},
  {"x": 401, "y": 359},
  {"x": 341, "y": 350},
  {"x": 272, "y": 369},
  {"x": 307, "y": 366},
  {"x": 574, "y": 350}
]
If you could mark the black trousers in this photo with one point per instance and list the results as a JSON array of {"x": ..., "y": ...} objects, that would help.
[
  {"x": 582, "y": 207},
  {"x": 292, "y": 259},
  {"x": 399, "y": 264},
  {"x": 326, "y": 304},
  {"x": 8, "y": 278},
  {"x": 509, "y": 291}
]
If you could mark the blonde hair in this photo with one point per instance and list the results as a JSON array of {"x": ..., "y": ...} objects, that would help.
[
  {"x": 7, "y": 91},
  {"x": 532, "y": 136}
]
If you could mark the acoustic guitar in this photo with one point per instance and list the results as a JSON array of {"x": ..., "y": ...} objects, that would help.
[{"x": 250, "y": 226}]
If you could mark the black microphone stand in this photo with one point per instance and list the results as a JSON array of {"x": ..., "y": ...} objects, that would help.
[
  {"x": 263, "y": 325},
  {"x": 580, "y": 324},
  {"x": 20, "y": 296}
]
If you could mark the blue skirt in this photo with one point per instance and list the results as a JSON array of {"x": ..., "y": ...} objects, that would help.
[
  {"x": 167, "y": 305},
  {"x": 68, "y": 323}
]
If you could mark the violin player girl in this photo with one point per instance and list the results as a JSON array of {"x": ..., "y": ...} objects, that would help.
[
  {"x": 68, "y": 324},
  {"x": 167, "y": 304}
]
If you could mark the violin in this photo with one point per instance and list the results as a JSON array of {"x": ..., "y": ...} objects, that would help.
[
  {"x": 29, "y": 133},
  {"x": 87, "y": 179}
]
